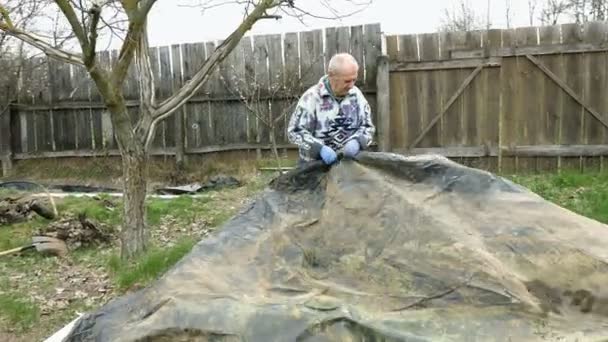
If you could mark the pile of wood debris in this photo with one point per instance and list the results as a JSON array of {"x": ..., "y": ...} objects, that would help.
[
  {"x": 79, "y": 231},
  {"x": 18, "y": 209}
]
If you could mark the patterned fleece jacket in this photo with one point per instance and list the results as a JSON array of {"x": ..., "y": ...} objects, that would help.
[{"x": 322, "y": 119}]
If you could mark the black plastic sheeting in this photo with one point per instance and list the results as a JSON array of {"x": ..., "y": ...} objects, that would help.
[{"x": 385, "y": 248}]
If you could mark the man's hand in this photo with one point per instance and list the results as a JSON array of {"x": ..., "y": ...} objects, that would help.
[
  {"x": 352, "y": 148},
  {"x": 328, "y": 155}
]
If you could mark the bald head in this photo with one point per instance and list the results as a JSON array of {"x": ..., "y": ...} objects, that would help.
[{"x": 342, "y": 71}]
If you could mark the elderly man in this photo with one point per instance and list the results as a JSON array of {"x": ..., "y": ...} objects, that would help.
[{"x": 332, "y": 115}]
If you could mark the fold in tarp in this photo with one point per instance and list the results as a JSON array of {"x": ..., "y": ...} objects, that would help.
[{"x": 384, "y": 248}]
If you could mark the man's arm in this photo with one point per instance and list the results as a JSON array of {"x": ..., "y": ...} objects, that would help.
[
  {"x": 365, "y": 132},
  {"x": 302, "y": 125}
]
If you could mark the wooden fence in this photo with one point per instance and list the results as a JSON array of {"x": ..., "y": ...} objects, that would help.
[
  {"x": 61, "y": 114},
  {"x": 532, "y": 98}
]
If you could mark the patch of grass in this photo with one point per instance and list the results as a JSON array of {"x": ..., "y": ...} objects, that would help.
[
  {"x": 583, "y": 193},
  {"x": 183, "y": 207},
  {"x": 20, "y": 313},
  {"x": 149, "y": 266},
  {"x": 92, "y": 208}
]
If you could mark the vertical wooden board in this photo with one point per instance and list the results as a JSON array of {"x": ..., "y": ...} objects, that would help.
[
  {"x": 292, "y": 63},
  {"x": 249, "y": 76},
  {"x": 43, "y": 131},
  {"x": 398, "y": 104},
  {"x": 530, "y": 112},
  {"x": 331, "y": 43},
  {"x": 229, "y": 88},
  {"x": 526, "y": 36},
  {"x": 392, "y": 48},
  {"x": 449, "y": 41},
  {"x": 205, "y": 114},
  {"x": 262, "y": 77},
  {"x": 83, "y": 125},
  {"x": 69, "y": 131},
  {"x": 508, "y": 99},
  {"x": 166, "y": 74},
  {"x": 551, "y": 101},
  {"x": 429, "y": 46},
  {"x": 413, "y": 110},
  {"x": 239, "y": 108},
  {"x": 220, "y": 120},
  {"x": 166, "y": 87},
  {"x": 175, "y": 131},
  {"x": 372, "y": 48},
  {"x": 56, "y": 76},
  {"x": 155, "y": 66},
  {"x": 275, "y": 62},
  {"x": 82, "y": 83},
  {"x": 472, "y": 105},
  {"x": 26, "y": 92},
  {"x": 408, "y": 48},
  {"x": 452, "y": 119},
  {"x": 58, "y": 130},
  {"x": 571, "y": 34},
  {"x": 95, "y": 117},
  {"x": 491, "y": 111},
  {"x": 15, "y": 131},
  {"x": 594, "y": 89},
  {"x": 190, "y": 128},
  {"x": 343, "y": 39},
  {"x": 312, "y": 55},
  {"x": 6, "y": 132},
  {"x": 573, "y": 113},
  {"x": 356, "y": 49},
  {"x": 429, "y": 106},
  {"x": 264, "y": 130},
  {"x": 30, "y": 129}
]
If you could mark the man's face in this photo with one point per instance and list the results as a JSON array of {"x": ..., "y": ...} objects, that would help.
[{"x": 343, "y": 80}]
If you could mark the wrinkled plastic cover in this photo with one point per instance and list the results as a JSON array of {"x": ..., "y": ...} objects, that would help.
[{"x": 385, "y": 248}]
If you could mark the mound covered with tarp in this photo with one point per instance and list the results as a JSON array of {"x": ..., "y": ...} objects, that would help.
[{"x": 385, "y": 248}]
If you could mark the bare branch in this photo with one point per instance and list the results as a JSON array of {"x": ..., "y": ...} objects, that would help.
[
  {"x": 171, "y": 104},
  {"x": 45, "y": 47},
  {"x": 90, "y": 51},
  {"x": 6, "y": 17},
  {"x": 69, "y": 13}
]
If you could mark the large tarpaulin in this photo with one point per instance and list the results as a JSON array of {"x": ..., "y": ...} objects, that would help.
[{"x": 384, "y": 248}]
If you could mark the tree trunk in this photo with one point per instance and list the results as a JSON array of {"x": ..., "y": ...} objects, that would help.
[{"x": 134, "y": 235}]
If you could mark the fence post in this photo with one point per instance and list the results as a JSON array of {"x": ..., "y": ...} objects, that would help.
[
  {"x": 383, "y": 104},
  {"x": 6, "y": 151}
]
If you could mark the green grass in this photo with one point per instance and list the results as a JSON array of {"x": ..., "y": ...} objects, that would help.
[
  {"x": 19, "y": 313},
  {"x": 583, "y": 193},
  {"x": 92, "y": 208},
  {"x": 149, "y": 266}
]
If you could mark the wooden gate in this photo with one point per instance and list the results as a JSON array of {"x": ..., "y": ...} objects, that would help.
[{"x": 524, "y": 99}]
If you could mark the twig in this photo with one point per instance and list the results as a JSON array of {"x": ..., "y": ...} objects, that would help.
[{"x": 422, "y": 300}]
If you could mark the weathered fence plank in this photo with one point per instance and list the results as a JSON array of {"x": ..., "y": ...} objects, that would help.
[
  {"x": 551, "y": 111},
  {"x": 312, "y": 57},
  {"x": 372, "y": 49},
  {"x": 176, "y": 83}
]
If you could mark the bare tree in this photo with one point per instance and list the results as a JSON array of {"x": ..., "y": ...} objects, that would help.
[
  {"x": 532, "y": 4},
  {"x": 127, "y": 20},
  {"x": 552, "y": 10},
  {"x": 462, "y": 18},
  {"x": 508, "y": 13}
]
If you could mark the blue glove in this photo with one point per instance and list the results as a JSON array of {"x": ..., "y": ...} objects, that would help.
[
  {"x": 351, "y": 149},
  {"x": 328, "y": 155}
]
